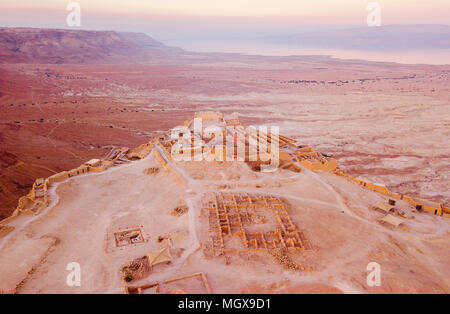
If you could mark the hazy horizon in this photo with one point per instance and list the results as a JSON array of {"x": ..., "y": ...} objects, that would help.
[
  {"x": 215, "y": 19},
  {"x": 236, "y": 26}
]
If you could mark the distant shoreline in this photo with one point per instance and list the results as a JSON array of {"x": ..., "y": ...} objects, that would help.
[{"x": 438, "y": 56}]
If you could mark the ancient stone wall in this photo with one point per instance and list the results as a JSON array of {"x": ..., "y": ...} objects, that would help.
[
  {"x": 419, "y": 204},
  {"x": 37, "y": 198}
]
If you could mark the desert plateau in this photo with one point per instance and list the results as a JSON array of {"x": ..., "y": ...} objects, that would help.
[{"x": 88, "y": 173}]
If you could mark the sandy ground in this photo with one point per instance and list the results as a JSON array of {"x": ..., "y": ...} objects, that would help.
[
  {"x": 332, "y": 212},
  {"x": 386, "y": 122}
]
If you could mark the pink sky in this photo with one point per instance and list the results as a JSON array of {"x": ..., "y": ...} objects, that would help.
[{"x": 167, "y": 18}]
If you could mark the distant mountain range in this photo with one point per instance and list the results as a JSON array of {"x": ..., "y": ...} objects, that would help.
[
  {"x": 30, "y": 45},
  {"x": 389, "y": 37},
  {"x": 54, "y": 46}
]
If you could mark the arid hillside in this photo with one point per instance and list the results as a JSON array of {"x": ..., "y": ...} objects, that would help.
[
  {"x": 143, "y": 221},
  {"x": 385, "y": 122},
  {"x": 28, "y": 45}
]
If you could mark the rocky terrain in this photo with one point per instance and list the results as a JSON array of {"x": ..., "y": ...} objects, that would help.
[
  {"x": 54, "y": 46},
  {"x": 143, "y": 221},
  {"x": 385, "y": 122}
]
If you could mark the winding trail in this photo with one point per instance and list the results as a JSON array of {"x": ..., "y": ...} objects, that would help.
[
  {"x": 54, "y": 200},
  {"x": 194, "y": 241},
  {"x": 205, "y": 186}
]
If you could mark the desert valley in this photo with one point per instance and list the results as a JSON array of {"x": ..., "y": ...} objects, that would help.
[{"x": 68, "y": 97}]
